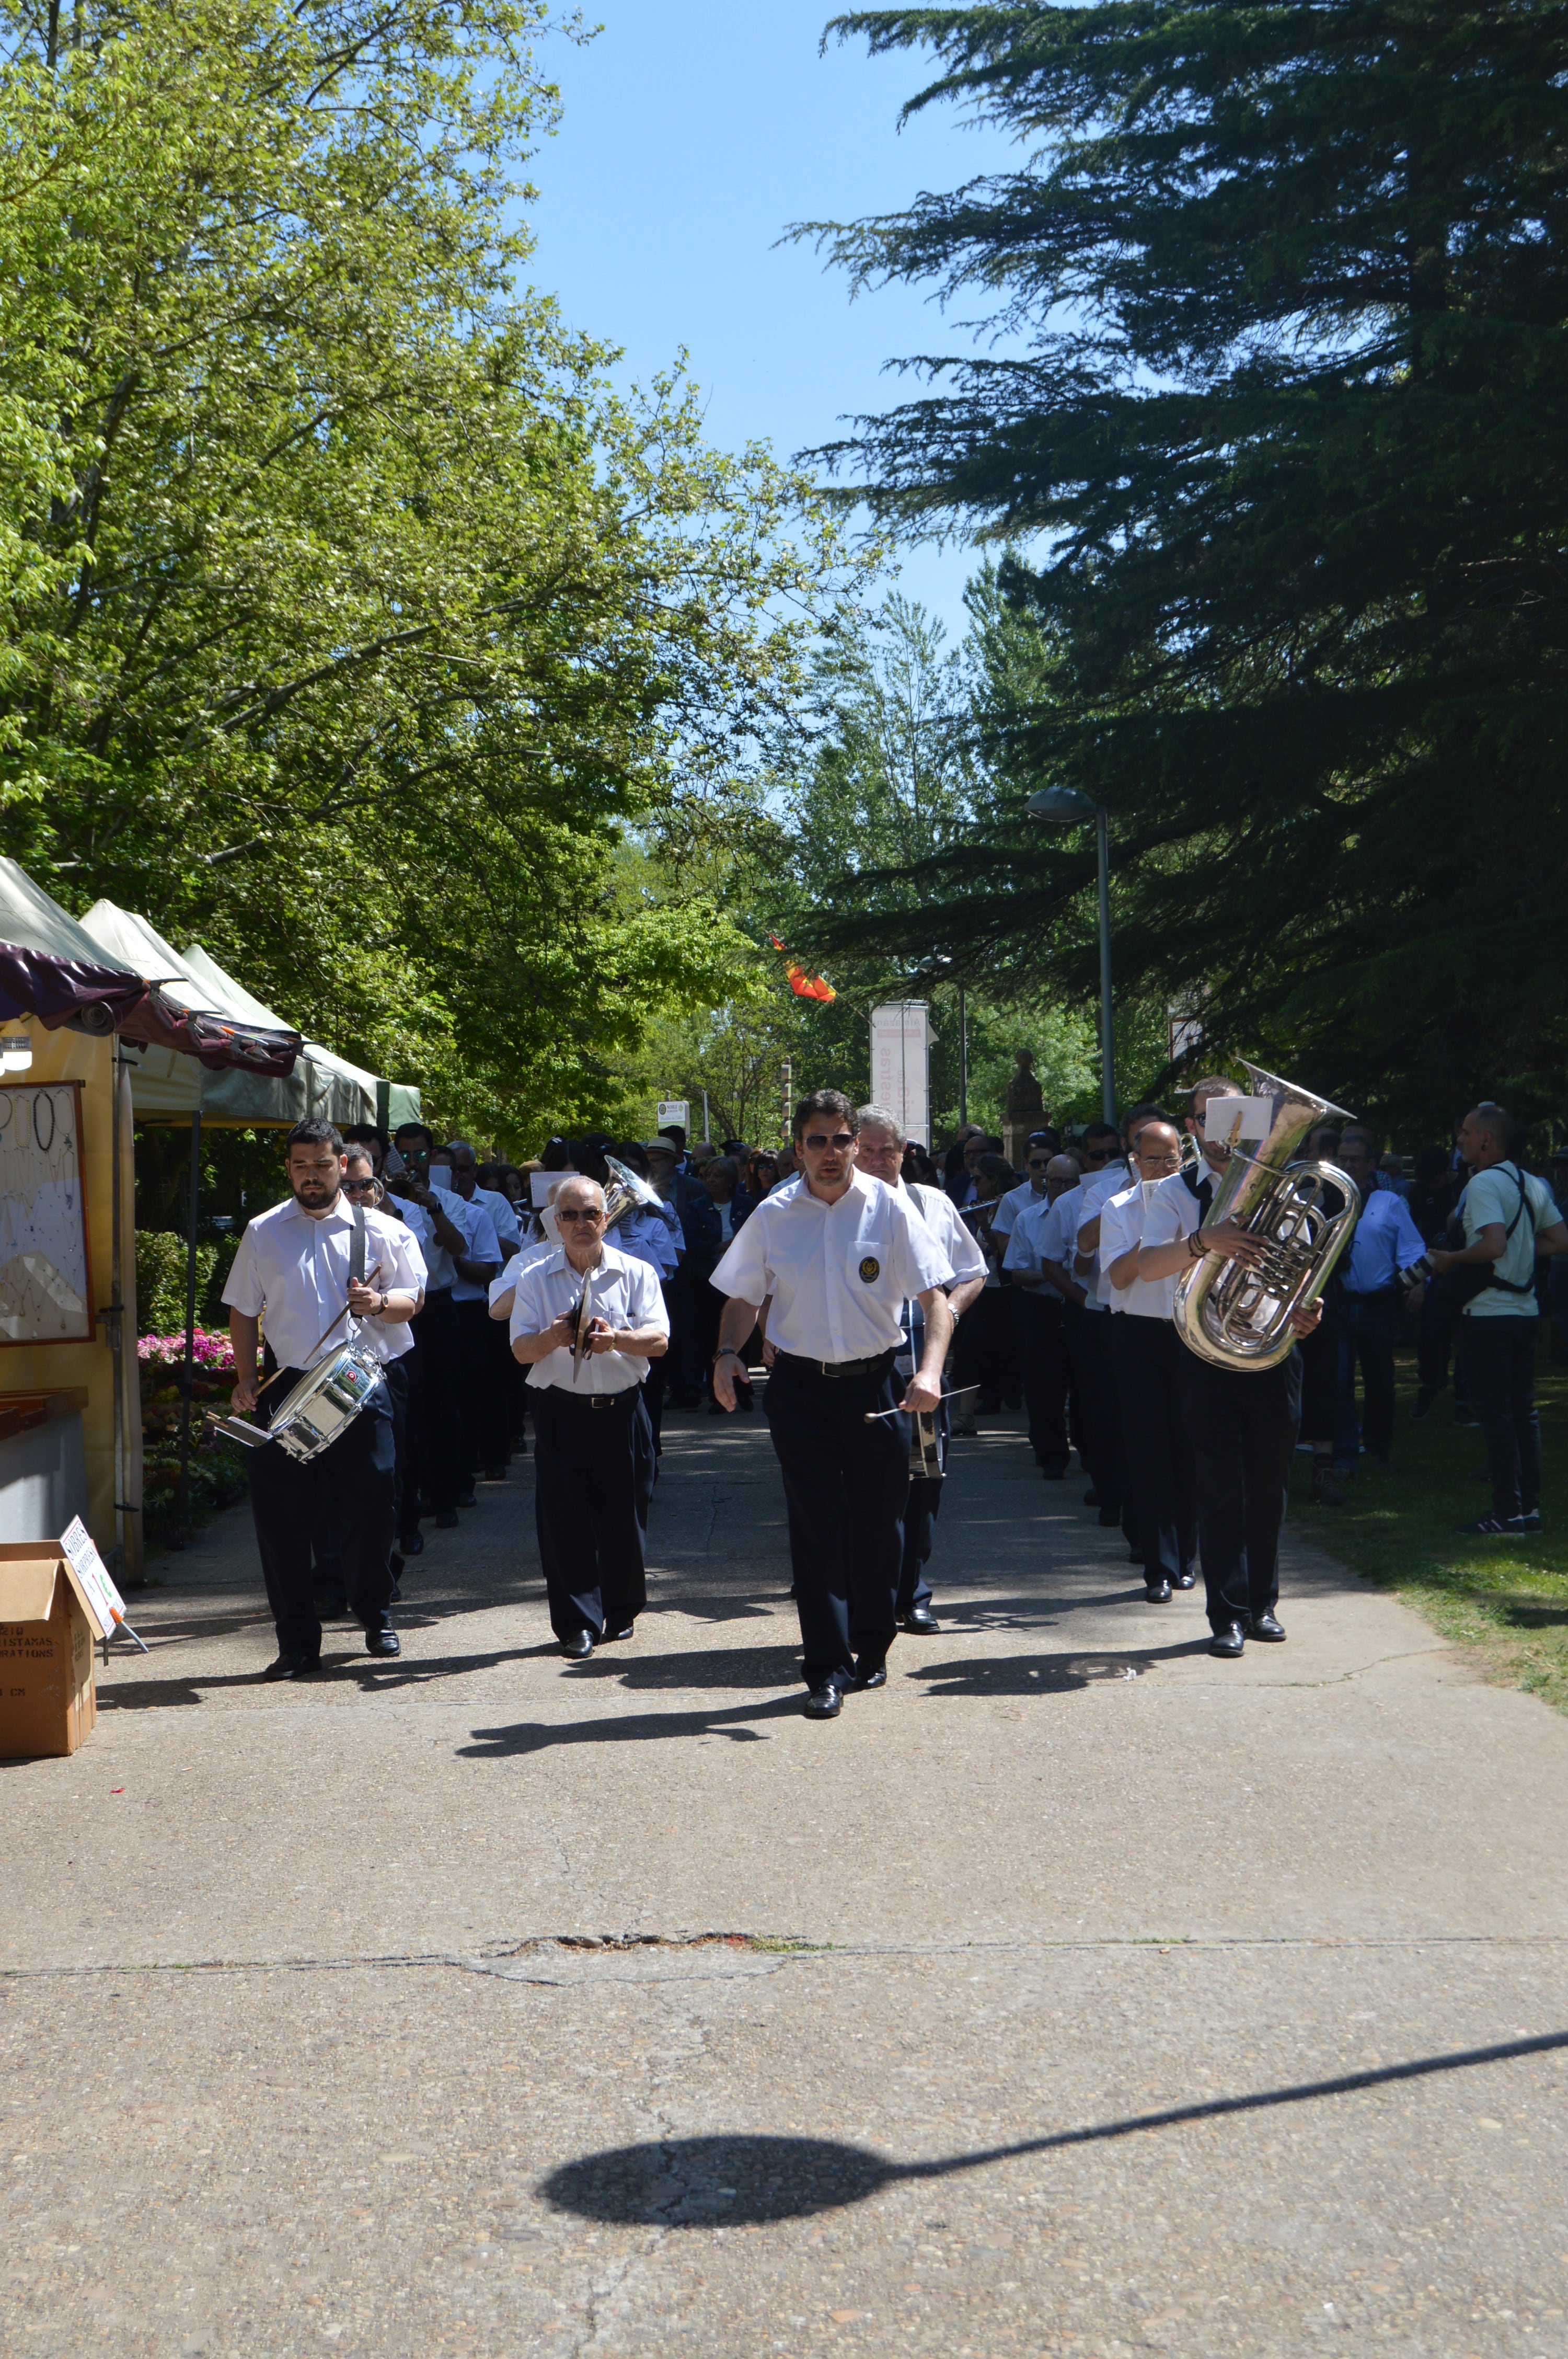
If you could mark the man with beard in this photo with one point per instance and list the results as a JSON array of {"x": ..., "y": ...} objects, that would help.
[{"x": 297, "y": 1267}]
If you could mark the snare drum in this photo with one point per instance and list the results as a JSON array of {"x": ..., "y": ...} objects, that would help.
[{"x": 315, "y": 1411}]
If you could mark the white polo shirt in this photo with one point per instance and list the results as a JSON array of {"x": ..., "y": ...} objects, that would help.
[
  {"x": 1016, "y": 1200},
  {"x": 291, "y": 1272},
  {"x": 624, "y": 1292},
  {"x": 838, "y": 1275},
  {"x": 1121, "y": 1228}
]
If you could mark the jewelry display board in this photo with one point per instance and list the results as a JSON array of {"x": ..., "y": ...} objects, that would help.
[{"x": 46, "y": 1282}]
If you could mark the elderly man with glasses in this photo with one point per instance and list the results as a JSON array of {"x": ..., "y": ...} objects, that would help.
[
  {"x": 593, "y": 1462},
  {"x": 832, "y": 1257}
]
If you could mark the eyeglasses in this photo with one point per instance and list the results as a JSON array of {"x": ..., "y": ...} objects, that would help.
[
  {"x": 579, "y": 1216},
  {"x": 1097, "y": 1154},
  {"x": 358, "y": 1187},
  {"x": 1038, "y": 1162},
  {"x": 817, "y": 1140}
]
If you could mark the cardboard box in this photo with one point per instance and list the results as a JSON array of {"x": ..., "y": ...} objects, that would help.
[{"x": 48, "y": 1620}]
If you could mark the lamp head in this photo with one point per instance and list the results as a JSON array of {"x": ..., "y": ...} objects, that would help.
[{"x": 1064, "y": 805}]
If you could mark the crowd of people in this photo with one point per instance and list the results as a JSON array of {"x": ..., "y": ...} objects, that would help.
[{"x": 888, "y": 1301}]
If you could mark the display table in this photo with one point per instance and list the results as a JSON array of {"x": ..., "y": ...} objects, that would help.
[{"x": 43, "y": 1473}]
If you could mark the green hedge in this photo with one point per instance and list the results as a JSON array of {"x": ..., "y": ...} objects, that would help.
[{"x": 160, "y": 1281}]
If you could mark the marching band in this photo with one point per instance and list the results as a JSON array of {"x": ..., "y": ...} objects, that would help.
[{"x": 1159, "y": 1298}]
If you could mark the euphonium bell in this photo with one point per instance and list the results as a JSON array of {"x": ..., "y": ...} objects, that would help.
[
  {"x": 1236, "y": 1314},
  {"x": 627, "y": 1192}
]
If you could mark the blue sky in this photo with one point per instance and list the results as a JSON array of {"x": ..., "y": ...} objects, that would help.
[{"x": 693, "y": 134}]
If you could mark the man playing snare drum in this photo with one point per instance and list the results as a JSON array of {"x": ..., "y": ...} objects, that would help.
[{"x": 293, "y": 1273}]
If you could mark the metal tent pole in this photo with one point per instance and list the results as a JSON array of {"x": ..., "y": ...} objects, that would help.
[{"x": 184, "y": 1507}]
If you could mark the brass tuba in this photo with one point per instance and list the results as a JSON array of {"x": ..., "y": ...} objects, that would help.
[{"x": 1235, "y": 1314}]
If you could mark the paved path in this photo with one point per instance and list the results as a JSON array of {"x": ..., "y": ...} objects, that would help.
[{"x": 482, "y": 2004}]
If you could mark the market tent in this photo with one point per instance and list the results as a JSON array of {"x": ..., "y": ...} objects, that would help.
[
  {"x": 167, "y": 1088},
  {"x": 53, "y": 968}
]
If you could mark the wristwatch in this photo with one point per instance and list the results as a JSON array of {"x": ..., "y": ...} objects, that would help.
[{"x": 727, "y": 1352}]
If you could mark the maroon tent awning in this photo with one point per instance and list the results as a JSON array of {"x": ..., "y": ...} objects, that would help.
[{"x": 104, "y": 999}]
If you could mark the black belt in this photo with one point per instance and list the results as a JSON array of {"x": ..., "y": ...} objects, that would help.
[
  {"x": 877, "y": 1367},
  {"x": 589, "y": 1400}
]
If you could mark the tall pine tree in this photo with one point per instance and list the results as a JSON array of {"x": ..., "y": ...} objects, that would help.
[{"x": 1279, "y": 416}]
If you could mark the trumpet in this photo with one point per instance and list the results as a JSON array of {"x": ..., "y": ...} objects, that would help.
[{"x": 1236, "y": 1314}]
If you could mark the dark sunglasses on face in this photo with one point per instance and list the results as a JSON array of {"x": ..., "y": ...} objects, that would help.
[
  {"x": 358, "y": 1187},
  {"x": 1097, "y": 1154},
  {"x": 1038, "y": 1162},
  {"x": 579, "y": 1216},
  {"x": 841, "y": 1139}
]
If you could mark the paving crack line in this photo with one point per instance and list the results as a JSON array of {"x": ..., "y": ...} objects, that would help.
[{"x": 762, "y": 1955}]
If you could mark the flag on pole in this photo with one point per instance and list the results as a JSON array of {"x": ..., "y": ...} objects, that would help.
[{"x": 804, "y": 985}]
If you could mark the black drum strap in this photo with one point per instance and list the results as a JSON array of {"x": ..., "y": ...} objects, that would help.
[{"x": 357, "y": 1247}]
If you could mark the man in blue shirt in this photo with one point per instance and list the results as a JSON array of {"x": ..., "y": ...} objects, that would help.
[{"x": 1371, "y": 1298}]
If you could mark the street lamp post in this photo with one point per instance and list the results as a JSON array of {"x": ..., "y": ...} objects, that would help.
[{"x": 1066, "y": 807}]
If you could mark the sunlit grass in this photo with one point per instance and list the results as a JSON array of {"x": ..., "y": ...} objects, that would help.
[{"x": 1505, "y": 1600}]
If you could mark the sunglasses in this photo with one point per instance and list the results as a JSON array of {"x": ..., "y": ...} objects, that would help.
[
  {"x": 579, "y": 1216},
  {"x": 358, "y": 1187},
  {"x": 1097, "y": 1154},
  {"x": 1038, "y": 1162},
  {"x": 817, "y": 1140}
]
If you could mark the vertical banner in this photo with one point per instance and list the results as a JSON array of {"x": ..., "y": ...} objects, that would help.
[{"x": 901, "y": 1064}]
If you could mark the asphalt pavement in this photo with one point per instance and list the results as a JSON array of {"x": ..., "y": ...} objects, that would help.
[{"x": 1076, "y": 1993}]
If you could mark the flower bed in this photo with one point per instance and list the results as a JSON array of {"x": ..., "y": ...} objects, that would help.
[{"x": 217, "y": 1475}]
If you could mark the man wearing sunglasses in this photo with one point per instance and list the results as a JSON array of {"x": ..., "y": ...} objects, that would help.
[
  {"x": 593, "y": 1460},
  {"x": 833, "y": 1256}
]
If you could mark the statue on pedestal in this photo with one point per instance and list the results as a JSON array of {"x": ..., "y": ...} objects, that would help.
[{"x": 1023, "y": 1111}]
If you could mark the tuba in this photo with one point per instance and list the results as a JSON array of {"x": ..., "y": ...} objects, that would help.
[
  {"x": 627, "y": 1193},
  {"x": 1235, "y": 1314}
]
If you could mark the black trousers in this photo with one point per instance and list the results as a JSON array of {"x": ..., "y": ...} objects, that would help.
[
  {"x": 483, "y": 1349},
  {"x": 1101, "y": 1445},
  {"x": 920, "y": 1513},
  {"x": 1319, "y": 1355},
  {"x": 593, "y": 1477},
  {"x": 1156, "y": 1455},
  {"x": 1497, "y": 1360},
  {"x": 985, "y": 1353},
  {"x": 845, "y": 1483},
  {"x": 347, "y": 1492},
  {"x": 437, "y": 1339},
  {"x": 1046, "y": 1371},
  {"x": 1368, "y": 1330},
  {"x": 1242, "y": 1425}
]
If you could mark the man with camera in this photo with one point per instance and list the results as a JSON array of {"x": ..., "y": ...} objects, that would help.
[{"x": 1509, "y": 1219}]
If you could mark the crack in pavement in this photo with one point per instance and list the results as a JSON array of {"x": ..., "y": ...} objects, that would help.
[{"x": 750, "y": 1955}]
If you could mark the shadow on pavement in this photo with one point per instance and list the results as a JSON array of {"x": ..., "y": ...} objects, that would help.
[
  {"x": 995, "y": 1675},
  {"x": 697, "y": 2182},
  {"x": 539, "y": 1736}
]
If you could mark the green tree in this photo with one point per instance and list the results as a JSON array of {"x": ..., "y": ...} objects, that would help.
[
  {"x": 353, "y": 622},
  {"x": 1280, "y": 420}
]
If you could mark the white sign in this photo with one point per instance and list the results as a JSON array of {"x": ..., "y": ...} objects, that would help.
[
  {"x": 104, "y": 1601},
  {"x": 1238, "y": 1122},
  {"x": 674, "y": 1110},
  {"x": 901, "y": 1064}
]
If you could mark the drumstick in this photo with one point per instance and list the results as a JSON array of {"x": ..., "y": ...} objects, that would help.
[
  {"x": 957, "y": 1394},
  {"x": 322, "y": 1337}
]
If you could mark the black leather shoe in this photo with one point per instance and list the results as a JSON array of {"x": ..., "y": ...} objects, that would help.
[
  {"x": 578, "y": 1647},
  {"x": 1228, "y": 1642},
  {"x": 382, "y": 1642},
  {"x": 607, "y": 1636},
  {"x": 292, "y": 1666},
  {"x": 824, "y": 1703},
  {"x": 1263, "y": 1625},
  {"x": 875, "y": 1675},
  {"x": 1184, "y": 1580},
  {"x": 493, "y": 1474},
  {"x": 445, "y": 1519},
  {"x": 1158, "y": 1593},
  {"x": 411, "y": 1543},
  {"x": 465, "y": 1499},
  {"x": 1055, "y": 1474},
  {"x": 921, "y": 1622}
]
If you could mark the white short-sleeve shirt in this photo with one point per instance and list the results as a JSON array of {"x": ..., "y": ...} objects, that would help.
[
  {"x": 1120, "y": 1229},
  {"x": 625, "y": 1293},
  {"x": 838, "y": 1275},
  {"x": 291, "y": 1272},
  {"x": 1016, "y": 1200}
]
